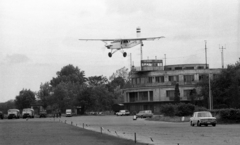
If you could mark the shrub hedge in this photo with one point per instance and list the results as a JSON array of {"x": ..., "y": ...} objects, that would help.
[
  {"x": 223, "y": 115},
  {"x": 180, "y": 109},
  {"x": 229, "y": 115}
]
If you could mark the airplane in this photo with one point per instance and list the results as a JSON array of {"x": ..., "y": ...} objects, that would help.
[{"x": 120, "y": 44}]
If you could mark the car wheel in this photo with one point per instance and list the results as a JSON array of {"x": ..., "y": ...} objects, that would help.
[
  {"x": 198, "y": 124},
  {"x": 214, "y": 124}
]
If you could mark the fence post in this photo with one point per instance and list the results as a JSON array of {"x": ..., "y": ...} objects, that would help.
[
  {"x": 135, "y": 137},
  {"x": 83, "y": 125},
  {"x": 101, "y": 129}
]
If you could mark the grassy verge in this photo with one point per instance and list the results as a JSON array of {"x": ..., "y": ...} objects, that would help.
[{"x": 170, "y": 119}]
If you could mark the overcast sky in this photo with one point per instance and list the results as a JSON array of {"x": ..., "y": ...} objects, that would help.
[{"x": 38, "y": 38}]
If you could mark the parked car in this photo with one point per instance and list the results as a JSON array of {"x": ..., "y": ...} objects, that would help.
[
  {"x": 203, "y": 118},
  {"x": 13, "y": 113},
  {"x": 28, "y": 112},
  {"x": 68, "y": 112},
  {"x": 123, "y": 113},
  {"x": 1, "y": 115},
  {"x": 145, "y": 114},
  {"x": 43, "y": 113}
]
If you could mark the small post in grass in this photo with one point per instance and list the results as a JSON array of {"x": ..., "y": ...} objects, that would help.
[
  {"x": 135, "y": 137},
  {"x": 83, "y": 125},
  {"x": 101, "y": 129}
]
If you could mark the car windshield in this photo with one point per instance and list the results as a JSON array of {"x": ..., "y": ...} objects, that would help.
[
  {"x": 12, "y": 110},
  {"x": 204, "y": 114}
]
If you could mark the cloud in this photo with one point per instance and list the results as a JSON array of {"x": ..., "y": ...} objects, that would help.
[{"x": 16, "y": 59}]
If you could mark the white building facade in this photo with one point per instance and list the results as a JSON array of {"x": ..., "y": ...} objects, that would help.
[{"x": 153, "y": 85}]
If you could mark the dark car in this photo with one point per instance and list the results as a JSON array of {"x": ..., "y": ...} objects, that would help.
[
  {"x": 145, "y": 114},
  {"x": 43, "y": 113},
  {"x": 1, "y": 115}
]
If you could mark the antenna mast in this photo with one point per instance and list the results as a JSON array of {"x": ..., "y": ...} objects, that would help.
[
  {"x": 138, "y": 35},
  {"x": 222, "y": 55},
  {"x": 206, "y": 53}
]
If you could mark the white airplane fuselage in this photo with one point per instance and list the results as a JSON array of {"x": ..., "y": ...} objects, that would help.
[{"x": 123, "y": 44}]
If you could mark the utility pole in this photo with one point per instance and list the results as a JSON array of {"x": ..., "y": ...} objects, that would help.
[
  {"x": 210, "y": 94},
  {"x": 222, "y": 56},
  {"x": 206, "y": 52}
]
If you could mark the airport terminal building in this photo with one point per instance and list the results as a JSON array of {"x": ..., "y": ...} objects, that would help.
[{"x": 153, "y": 84}]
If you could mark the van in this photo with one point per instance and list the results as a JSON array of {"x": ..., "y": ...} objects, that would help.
[
  {"x": 28, "y": 112},
  {"x": 68, "y": 112},
  {"x": 13, "y": 113}
]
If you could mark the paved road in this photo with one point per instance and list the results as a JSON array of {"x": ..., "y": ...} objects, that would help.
[{"x": 157, "y": 132}]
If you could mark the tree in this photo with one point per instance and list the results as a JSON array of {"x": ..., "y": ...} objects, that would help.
[
  {"x": 193, "y": 96},
  {"x": 67, "y": 86},
  {"x": 67, "y": 74},
  {"x": 25, "y": 99},
  {"x": 177, "y": 93},
  {"x": 97, "y": 81},
  {"x": 85, "y": 99},
  {"x": 10, "y": 104},
  {"x": 44, "y": 94},
  {"x": 122, "y": 72},
  {"x": 226, "y": 87}
]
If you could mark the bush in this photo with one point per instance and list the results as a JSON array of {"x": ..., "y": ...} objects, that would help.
[
  {"x": 227, "y": 115},
  {"x": 199, "y": 108},
  {"x": 168, "y": 110},
  {"x": 230, "y": 114},
  {"x": 177, "y": 109},
  {"x": 184, "y": 109}
]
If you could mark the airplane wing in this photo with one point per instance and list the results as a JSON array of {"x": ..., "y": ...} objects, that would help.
[
  {"x": 98, "y": 39},
  {"x": 146, "y": 39}
]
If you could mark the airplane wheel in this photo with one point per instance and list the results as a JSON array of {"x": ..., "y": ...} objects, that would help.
[
  {"x": 124, "y": 54},
  {"x": 110, "y": 54}
]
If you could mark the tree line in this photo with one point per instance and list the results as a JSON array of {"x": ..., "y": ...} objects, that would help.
[
  {"x": 71, "y": 88},
  {"x": 97, "y": 93}
]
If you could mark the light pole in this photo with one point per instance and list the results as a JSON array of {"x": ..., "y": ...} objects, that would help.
[{"x": 210, "y": 94}]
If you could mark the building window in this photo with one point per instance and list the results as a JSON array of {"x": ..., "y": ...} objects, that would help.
[
  {"x": 188, "y": 93},
  {"x": 203, "y": 77},
  {"x": 160, "y": 79},
  {"x": 133, "y": 96},
  {"x": 189, "y": 67},
  {"x": 142, "y": 80},
  {"x": 134, "y": 81},
  {"x": 200, "y": 67},
  {"x": 170, "y": 94},
  {"x": 188, "y": 78},
  {"x": 178, "y": 68},
  {"x": 143, "y": 96},
  {"x": 173, "y": 78},
  {"x": 151, "y": 95},
  {"x": 150, "y": 79}
]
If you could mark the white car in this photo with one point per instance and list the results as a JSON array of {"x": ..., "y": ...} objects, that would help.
[
  {"x": 68, "y": 112},
  {"x": 13, "y": 113},
  {"x": 28, "y": 112},
  {"x": 203, "y": 118},
  {"x": 123, "y": 113}
]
